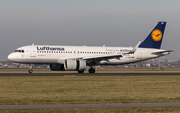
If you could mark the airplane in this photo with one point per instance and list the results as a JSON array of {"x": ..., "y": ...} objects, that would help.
[{"x": 76, "y": 58}]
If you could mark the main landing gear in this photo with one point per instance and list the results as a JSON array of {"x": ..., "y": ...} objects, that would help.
[
  {"x": 91, "y": 70},
  {"x": 30, "y": 68},
  {"x": 81, "y": 71}
]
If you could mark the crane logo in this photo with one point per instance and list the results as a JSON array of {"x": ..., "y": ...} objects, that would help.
[{"x": 156, "y": 35}]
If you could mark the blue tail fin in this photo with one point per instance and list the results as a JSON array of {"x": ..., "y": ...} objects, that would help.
[{"x": 154, "y": 39}]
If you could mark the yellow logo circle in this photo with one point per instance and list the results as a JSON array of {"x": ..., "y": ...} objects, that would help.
[{"x": 156, "y": 35}]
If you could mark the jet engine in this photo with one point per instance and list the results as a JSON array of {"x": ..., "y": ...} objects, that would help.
[
  {"x": 73, "y": 64},
  {"x": 69, "y": 65}
]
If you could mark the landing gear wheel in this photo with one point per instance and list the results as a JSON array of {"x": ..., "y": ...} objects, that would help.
[
  {"x": 80, "y": 71},
  {"x": 91, "y": 70},
  {"x": 30, "y": 71},
  {"x": 30, "y": 68}
]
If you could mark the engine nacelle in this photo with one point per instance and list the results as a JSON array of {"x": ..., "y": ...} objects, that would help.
[
  {"x": 73, "y": 64},
  {"x": 57, "y": 67}
]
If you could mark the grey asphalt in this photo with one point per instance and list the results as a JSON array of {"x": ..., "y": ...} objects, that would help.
[
  {"x": 80, "y": 106},
  {"x": 89, "y": 74}
]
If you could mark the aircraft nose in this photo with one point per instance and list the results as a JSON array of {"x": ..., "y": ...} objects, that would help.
[{"x": 11, "y": 56}]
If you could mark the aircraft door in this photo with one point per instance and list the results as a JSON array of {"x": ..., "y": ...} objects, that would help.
[
  {"x": 32, "y": 51},
  {"x": 139, "y": 54}
]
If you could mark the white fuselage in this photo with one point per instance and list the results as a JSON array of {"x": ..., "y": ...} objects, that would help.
[
  {"x": 43, "y": 54},
  {"x": 73, "y": 58}
]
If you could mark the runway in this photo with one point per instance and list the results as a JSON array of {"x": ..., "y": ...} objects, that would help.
[
  {"x": 89, "y": 74},
  {"x": 80, "y": 106}
]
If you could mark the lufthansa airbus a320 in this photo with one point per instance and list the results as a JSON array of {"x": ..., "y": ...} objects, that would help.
[{"x": 76, "y": 58}]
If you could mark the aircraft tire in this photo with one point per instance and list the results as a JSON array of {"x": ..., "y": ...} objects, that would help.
[
  {"x": 91, "y": 70},
  {"x": 80, "y": 71},
  {"x": 30, "y": 71}
]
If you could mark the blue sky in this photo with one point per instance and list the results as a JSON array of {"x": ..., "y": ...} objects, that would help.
[{"x": 80, "y": 22}]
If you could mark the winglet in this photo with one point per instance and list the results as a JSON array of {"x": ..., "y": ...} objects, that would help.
[{"x": 134, "y": 49}]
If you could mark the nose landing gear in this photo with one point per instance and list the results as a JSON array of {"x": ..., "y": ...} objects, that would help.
[{"x": 31, "y": 69}]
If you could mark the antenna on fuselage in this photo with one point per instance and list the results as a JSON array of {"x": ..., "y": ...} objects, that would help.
[{"x": 32, "y": 44}]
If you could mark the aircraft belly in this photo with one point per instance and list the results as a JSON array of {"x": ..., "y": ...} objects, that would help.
[{"x": 36, "y": 61}]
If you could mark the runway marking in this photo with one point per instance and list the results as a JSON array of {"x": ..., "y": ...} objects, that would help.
[
  {"x": 80, "y": 106},
  {"x": 69, "y": 75}
]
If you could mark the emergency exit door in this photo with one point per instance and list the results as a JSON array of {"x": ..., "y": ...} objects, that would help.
[{"x": 32, "y": 51}]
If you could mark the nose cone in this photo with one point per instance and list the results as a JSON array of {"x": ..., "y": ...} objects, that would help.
[{"x": 11, "y": 57}]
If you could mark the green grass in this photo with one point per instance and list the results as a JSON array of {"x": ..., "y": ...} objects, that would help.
[
  {"x": 104, "y": 110},
  {"x": 83, "y": 89}
]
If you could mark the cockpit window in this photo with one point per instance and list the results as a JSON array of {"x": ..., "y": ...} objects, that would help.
[{"x": 20, "y": 51}]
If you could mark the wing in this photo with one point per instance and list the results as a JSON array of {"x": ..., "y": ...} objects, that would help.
[
  {"x": 102, "y": 57},
  {"x": 99, "y": 58},
  {"x": 92, "y": 60}
]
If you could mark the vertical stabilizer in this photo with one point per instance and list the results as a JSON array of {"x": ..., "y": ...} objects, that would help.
[{"x": 154, "y": 39}]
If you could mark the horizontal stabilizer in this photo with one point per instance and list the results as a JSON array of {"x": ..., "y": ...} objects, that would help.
[{"x": 163, "y": 52}]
